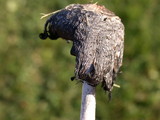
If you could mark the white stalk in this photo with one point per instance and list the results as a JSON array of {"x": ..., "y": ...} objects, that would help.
[{"x": 88, "y": 104}]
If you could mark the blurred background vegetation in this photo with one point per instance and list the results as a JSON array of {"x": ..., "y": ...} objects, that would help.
[{"x": 35, "y": 75}]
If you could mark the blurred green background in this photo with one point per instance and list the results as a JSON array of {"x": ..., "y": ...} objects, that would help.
[{"x": 35, "y": 75}]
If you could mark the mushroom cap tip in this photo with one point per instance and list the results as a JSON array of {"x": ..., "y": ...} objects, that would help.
[{"x": 43, "y": 36}]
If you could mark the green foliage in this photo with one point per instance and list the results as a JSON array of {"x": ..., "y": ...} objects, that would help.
[{"x": 35, "y": 75}]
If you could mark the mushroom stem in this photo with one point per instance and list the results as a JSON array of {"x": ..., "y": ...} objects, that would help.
[{"x": 88, "y": 104}]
